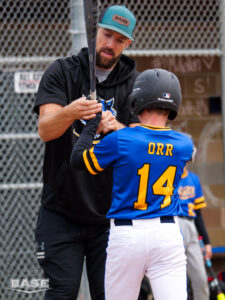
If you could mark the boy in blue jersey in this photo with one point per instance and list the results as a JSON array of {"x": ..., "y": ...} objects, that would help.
[
  {"x": 147, "y": 162},
  {"x": 192, "y": 225}
]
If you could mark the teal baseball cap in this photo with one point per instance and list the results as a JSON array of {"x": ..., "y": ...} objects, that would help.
[{"x": 118, "y": 18}]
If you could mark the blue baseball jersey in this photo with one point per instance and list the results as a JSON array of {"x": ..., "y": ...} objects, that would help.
[
  {"x": 190, "y": 193},
  {"x": 147, "y": 166}
]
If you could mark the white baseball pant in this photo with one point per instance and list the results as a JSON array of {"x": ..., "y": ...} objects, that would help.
[{"x": 151, "y": 248}]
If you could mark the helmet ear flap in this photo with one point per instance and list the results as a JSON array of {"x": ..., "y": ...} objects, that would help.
[
  {"x": 132, "y": 105},
  {"x": 137, "y": 105}
]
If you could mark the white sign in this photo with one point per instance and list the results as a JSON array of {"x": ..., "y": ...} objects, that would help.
[
  {"x": 29, "y": 286},
  {"x": 26, "y": 81}
]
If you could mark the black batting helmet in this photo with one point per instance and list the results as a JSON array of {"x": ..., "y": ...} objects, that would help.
[{"x": 156, "y": 88}]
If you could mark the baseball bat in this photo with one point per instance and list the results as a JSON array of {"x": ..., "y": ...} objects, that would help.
[
  {"x": 91, "y": 12},
  {"x": 220, "y": 294}
]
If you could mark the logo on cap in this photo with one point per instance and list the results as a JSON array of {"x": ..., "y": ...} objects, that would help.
[
  {"x": 121, "y": 20},
  {"x": 166, "y": 95}
]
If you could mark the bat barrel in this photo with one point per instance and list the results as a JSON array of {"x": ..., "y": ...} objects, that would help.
[{"x": 91, "y": 12}]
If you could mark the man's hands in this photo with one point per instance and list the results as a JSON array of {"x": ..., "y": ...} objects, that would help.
[
  {"x": 88, "y": 109},
  {"x": 84, "y": 109},
  {"x": 108, "y": 123}
]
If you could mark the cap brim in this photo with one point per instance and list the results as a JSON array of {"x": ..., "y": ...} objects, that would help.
[{"x": 114, "y": 28}]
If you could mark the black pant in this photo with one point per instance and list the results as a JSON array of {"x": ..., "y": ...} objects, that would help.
[{"x": 61, "y": 247}]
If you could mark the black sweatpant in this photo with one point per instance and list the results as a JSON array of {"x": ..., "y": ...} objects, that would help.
[{"x": 62, "y": 245}]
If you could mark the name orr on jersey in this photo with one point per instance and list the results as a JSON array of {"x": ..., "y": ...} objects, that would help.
[{"x": 160, "y": 149}]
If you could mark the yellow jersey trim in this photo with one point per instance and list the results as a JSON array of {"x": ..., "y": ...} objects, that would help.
[
  {"x": 200, "y": 199},
  {"x": 96, "y": 142},
  {"x": 88, "y": 164},
  {"x": 185, "y": 174},
  {"x": 94, "y": 160},
  {"x": 155, "y": 127},
  {"x": 200, "y": 205},
  {"x": 75, "y": 133}
]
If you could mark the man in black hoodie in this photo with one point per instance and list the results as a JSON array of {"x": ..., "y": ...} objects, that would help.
[{"x": 71, "y": 223}]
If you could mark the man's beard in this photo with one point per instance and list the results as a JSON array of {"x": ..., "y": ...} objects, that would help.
[{"x": 104, "y": 62}]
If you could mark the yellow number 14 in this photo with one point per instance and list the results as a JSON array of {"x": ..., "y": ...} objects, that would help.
[{"x": 162, "y": 186}]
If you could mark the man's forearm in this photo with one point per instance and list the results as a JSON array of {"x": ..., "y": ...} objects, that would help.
[
  {"x": 53, "y": 123},
  {"x": 54, "y": 119}
]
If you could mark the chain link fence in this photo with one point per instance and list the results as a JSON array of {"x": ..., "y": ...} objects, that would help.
[
  {"x": 42, "y": 28},
  {"x": 32, "y": 34}
]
